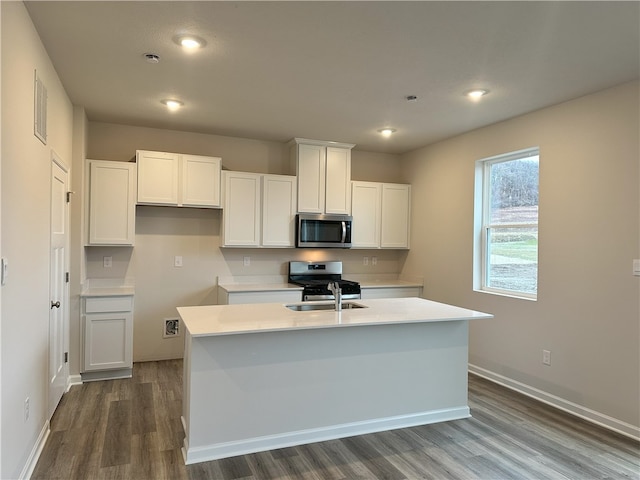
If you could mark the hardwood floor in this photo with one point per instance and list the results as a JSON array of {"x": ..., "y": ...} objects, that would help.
[{"x": 131, "y": 429}]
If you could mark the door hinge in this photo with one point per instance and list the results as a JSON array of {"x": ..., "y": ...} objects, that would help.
[
  {"x": 66, "y": 357},
  {"x": 66, "y": 277},
  {"x": 69, "y": 196}
]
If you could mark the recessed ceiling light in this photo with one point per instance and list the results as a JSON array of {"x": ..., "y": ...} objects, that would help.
[
  {"x": 172, "y": 105},
  {"x": 387, "y": 132},
  {"x": 476, "y": 93},
  {"x": 190, "y": 42}
]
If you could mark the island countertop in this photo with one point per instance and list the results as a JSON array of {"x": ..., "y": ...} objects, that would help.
[{"x": 215, "y": 320}]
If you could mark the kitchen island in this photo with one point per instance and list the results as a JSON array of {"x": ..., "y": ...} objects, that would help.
[{"x": 262, "y": 376}]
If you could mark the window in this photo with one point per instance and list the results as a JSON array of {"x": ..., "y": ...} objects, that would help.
[{"x": 506, "y": 220}]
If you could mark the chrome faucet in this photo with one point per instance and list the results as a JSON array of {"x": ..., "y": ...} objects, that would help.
[{"x": 337, "y": 293}]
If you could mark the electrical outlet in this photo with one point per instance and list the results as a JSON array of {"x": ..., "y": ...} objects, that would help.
[
  {"x": 26, "y": 409},
  {"x": 546, "y": 357},
  {"x": 374, "y": 261},
  {"x": 107, "y": 262},
  {"x": 246, "y": 261},
  {"x": 171, "y": 327},
  {"x": 365, "y": 260}
]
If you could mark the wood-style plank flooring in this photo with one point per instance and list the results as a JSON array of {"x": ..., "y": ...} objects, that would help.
[{"x": 131, "y": 429}]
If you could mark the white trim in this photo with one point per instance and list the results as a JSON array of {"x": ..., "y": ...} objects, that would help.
[
  {"x": 73, "y": 380},
  {"x": 580, "y": 411},
  {"x": 270, "y": 442},
  {"x": 34, "y": 456}
]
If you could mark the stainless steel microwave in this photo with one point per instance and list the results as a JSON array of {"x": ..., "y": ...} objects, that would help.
[{"x": 323, "y": 231}]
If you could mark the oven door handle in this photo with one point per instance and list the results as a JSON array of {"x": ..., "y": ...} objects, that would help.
[{"x": 344, "y": 232}]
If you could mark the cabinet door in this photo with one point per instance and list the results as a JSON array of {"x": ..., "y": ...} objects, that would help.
[
  {"x": 241, "y": 225},
  {"x": 338, "y": 181},
  {"x": 278, "y": 210},
  {"x": 391, "y": 292},
  {"x": 237, "y": 298},
  {"x": 200, "y": 181},
  {"x": 112, "y": 193},
  {"x": 158, "y": 177},
  {"x": 108, "y": 341},
  {"x": 365, "y": 207},
  {"x": 311, "y": 173},
  {"x": 396, "y": 211}
]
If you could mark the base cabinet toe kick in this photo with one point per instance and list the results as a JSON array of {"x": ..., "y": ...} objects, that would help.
[{"x": 272, "y": 386}]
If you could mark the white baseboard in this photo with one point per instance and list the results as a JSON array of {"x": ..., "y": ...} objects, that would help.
[
  {"x": 260, "y": 444},
  {"x": 73, "y": 380},
  {"x": 592, "y": 416},
  {"x": 30, "y": 465}
]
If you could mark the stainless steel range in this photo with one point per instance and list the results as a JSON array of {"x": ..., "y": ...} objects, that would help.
[{"x": 315, "y": 277}]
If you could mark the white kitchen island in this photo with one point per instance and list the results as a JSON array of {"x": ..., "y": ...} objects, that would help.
[{"x": 261, "y": 376}]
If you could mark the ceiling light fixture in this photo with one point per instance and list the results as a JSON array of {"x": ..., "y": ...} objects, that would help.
[
  {"x": 172, "y": 105},
  {"x": 476, "y": 93},
  {"x": 387, "y": 132},
  {"x": 189, "y": 42}
]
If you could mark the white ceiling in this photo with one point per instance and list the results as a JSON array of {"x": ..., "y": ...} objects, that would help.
[{"x": 336, "y": 70}]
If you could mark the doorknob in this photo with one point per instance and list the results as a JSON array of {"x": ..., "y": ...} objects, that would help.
[{"x": 56, "y": 304}]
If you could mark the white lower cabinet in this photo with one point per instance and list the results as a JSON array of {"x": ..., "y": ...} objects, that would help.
[
  {"x": 265, "y": 296},
  {"x": 391, "y": 292},
  {"x": 108, "y": 337}
]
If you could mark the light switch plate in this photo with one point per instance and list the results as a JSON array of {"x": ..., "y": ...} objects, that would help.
[
  {"x": 636, "y": 267},
  {"x": 177, "y": 261}
]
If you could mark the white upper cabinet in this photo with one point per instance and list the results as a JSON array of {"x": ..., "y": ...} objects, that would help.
[
  {"x": 396, "y": 215},
  {"x": 178, "y": 180},
  {"x": 278, "y": 210},
  {"x": 158, "y": 177},
  {"x": 258, "y": 210},
  {"x": 311, "y": 173},
  {"x": 381, "y": 215},
  {"x": 241, "y": 209},
  {"x": 112, "y": 204},
  {"x": 366, "y": 210},
  {"x": 338, "y": 180},
  {"x": 324, "y": 175},
  {"x": 201, "y": 181}
]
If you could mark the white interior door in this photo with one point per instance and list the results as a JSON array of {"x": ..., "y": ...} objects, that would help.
[{"x": 59, "y": 291}]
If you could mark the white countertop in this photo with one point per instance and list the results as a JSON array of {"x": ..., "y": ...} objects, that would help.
[
  {"x": 108, "y": 291},
  {"x": 214, "y": 320},
  {"x": 259, "y": 287},
  {"x": 279, "y": 287}
]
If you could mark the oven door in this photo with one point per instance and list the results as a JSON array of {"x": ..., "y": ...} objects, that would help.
[{"x": 323, "y": 231}]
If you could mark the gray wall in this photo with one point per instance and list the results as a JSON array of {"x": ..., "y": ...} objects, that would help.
[
  {"x": 588, "y": 308},
  {"x": 25, "y": 217}
]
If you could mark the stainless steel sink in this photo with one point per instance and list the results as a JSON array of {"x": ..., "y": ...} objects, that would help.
[{"x": 309, "y": 307}]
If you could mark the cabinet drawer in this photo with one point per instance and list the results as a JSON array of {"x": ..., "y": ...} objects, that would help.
[{"x": 109, "y": 304}]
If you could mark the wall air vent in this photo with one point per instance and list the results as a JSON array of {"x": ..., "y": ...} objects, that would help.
[{"x": 40, "y": 113}]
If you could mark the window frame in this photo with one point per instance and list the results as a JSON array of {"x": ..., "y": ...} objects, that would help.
[{"x": 482, "y": 225}]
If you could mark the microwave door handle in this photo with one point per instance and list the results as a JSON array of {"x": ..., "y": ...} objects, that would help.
[{"x": 344, "y": 232}]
